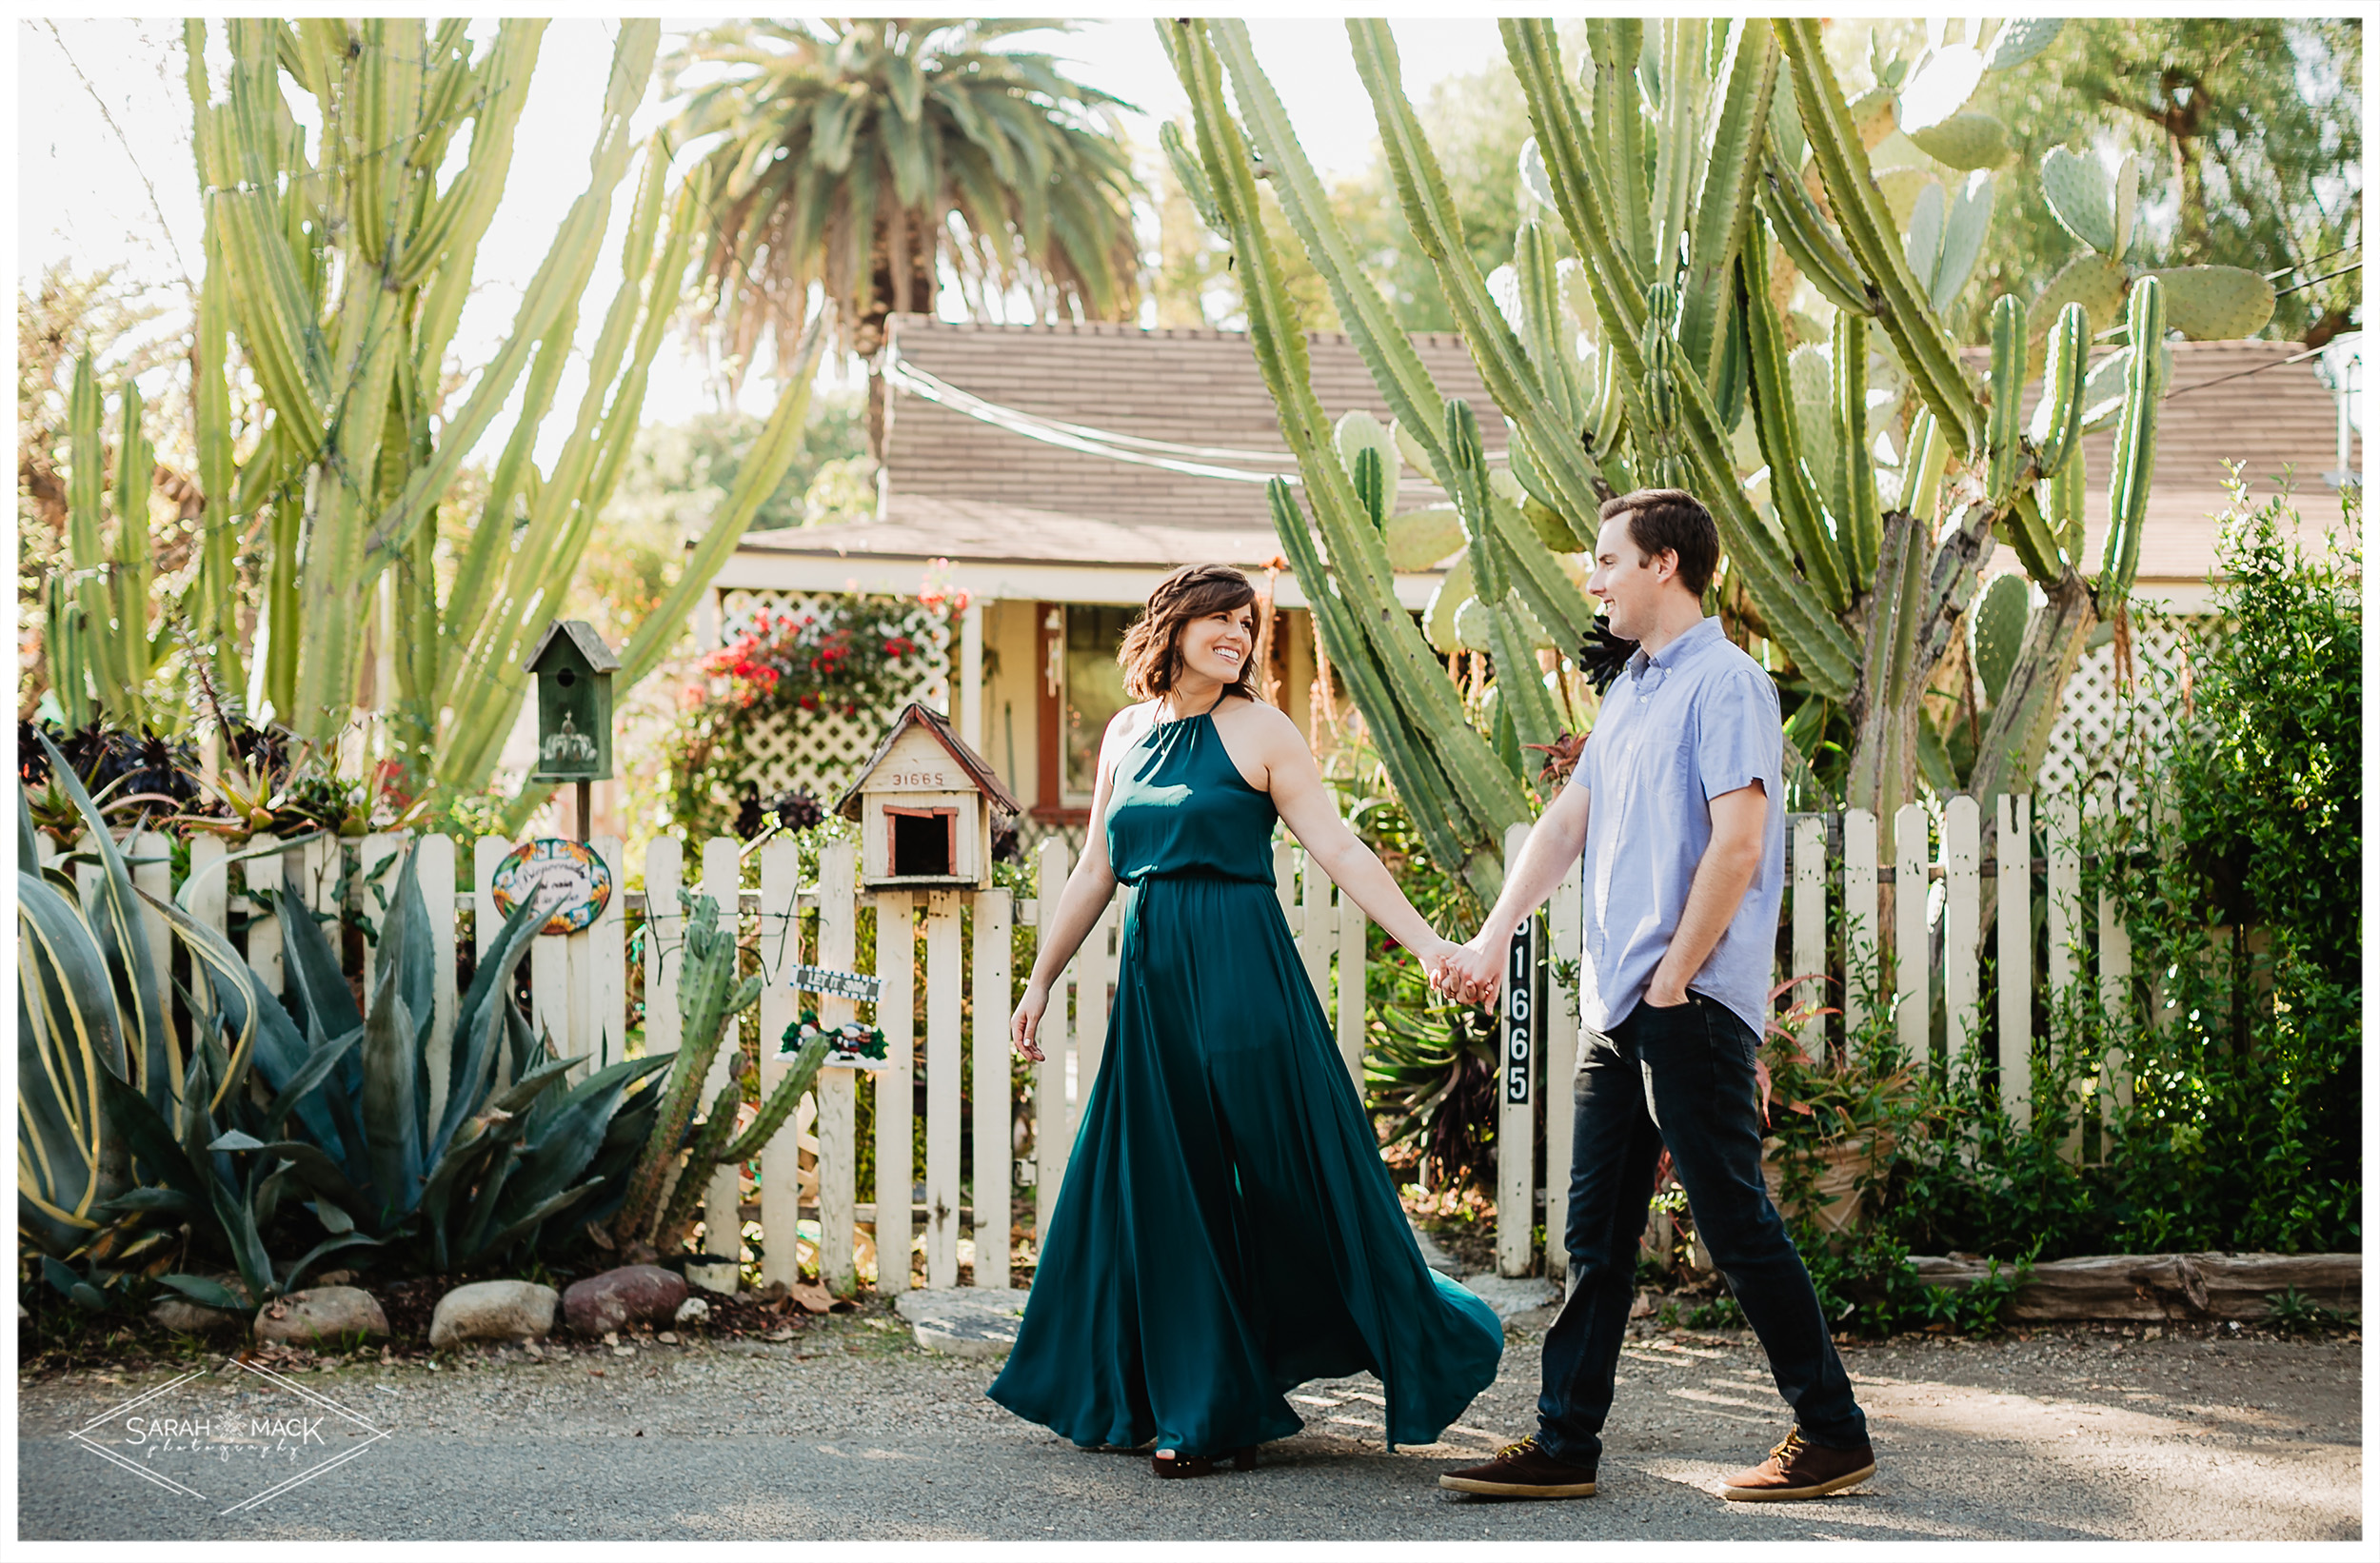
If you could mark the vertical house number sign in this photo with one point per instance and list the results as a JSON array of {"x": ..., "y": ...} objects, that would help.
[{"x": 1519, "y": 1010}]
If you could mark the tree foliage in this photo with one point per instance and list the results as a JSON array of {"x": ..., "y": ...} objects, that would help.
[
  {"x": 1478, "y": 122},
  {"x": 681, "y": 472},
  {"x": 2250, "y": 136},
  {"x": 2228, "y": 869},
  {"x": 870, "y": 155}
]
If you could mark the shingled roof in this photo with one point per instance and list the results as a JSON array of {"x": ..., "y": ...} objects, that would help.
[
  {"x": 918, "y": 714},
  {"x": 958, "y": 488},
  {"x": 2241, "y": 401}
]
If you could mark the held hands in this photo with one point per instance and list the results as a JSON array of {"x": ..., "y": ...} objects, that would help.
[{"x": 1468, "y": 974}]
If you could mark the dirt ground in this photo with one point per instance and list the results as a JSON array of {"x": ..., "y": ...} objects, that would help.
[{"x": 845, "y": 1429}]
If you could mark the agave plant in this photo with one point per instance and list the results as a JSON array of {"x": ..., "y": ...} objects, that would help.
[
  {"x": 343, "y": 1122},
  {"x": 353, "y": 1124},
  {"x": 112, "y": 1118},
  {"x": 1432, "y": 1075},
  {"x": 1697, "y": 170}
]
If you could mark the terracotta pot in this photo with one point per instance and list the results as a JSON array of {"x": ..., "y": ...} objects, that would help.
[{"x": 1841, "y": 1163}]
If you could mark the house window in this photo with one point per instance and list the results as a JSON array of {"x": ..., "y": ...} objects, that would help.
[{"x": 1094, "y": 689}]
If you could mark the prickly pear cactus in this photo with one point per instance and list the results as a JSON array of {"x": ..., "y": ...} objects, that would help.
[
  {"x": 1965, "y": 140},
  {"x": 2204, "y": 303},
  {"x": 2000, "y": 631},
  {"x": 2082, "y": 197},
  {"x": 2215, "y": 303}
]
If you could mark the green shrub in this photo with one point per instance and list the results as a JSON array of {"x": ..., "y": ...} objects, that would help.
[{"x": 2233, "y": 871}]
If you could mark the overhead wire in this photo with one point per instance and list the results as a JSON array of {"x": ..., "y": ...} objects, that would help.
[
  {"x": 1190, "y": 460},
  {"x": 898, "y": 372},
  {"x": 2307, "y": 265},
  {"x": 2310, "y": 282},
  {"x": 2241, "y": 374},
  {"x": 154, "y": 205}
]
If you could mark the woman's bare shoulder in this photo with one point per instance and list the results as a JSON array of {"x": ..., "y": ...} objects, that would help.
[
  {"x": 1257, "y": 716},
  {"x": 1130, "y": 723},
  {"x": 1260, "y": 729}
]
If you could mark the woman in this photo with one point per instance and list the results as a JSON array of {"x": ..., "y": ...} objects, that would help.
[{"x": 1227, "y": 1230}]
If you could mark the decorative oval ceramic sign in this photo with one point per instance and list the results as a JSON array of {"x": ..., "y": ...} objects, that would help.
[{"x": 566, "y": 877}]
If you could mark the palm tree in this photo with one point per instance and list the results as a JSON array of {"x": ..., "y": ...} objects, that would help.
[{"x": 864, "y": 154}]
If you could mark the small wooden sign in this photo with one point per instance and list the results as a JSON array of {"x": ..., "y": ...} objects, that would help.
[
  {"x": 1519, "y": 1015},
  {"x": 566, "y": 877},
  {"x": 835, "y": 984}
]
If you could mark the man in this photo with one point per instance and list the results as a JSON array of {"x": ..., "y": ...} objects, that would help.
[{"x": 1677, "y": 804}]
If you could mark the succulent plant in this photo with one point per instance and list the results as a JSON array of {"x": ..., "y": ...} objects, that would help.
[
  {"x": 2204, "y": 303},
  {"x": 1888, "y": 472},
  {"x": 336, "y": 269},
  {"x": 654, "y": 1211},
  {"x": 304, "y": 1101},
  {"x": 1458, "y": 794},
  {"x": 2215, "y": 303},
  {"x": 2000, "y": 616}
]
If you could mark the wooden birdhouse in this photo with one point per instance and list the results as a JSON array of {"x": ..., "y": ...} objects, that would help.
[
  {"x": 574, "y": 670},
  {"x": 924, "y": 803}
]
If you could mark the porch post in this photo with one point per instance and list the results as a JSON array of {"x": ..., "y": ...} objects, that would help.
[{"x": 971, "y": 676}]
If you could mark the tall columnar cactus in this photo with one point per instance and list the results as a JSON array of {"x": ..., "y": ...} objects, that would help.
[
  {"x": 1459, "y": 797},
  {"x": 102, "y": 639},
  {"x": 337, "y": 264},
  {"x": 655, "y": 1211},
  {"x": 1673, "y": 165}
]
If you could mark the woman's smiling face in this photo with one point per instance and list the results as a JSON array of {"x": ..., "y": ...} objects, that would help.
[{"x": 1218, "y": 645}]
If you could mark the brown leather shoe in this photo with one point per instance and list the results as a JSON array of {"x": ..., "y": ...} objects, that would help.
[
  {"x": 1523, "y": 1470},
  {"x": 1795, "y": 1469}
]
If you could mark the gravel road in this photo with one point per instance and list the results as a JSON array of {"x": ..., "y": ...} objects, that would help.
[{"x": 849, "y": 1431}]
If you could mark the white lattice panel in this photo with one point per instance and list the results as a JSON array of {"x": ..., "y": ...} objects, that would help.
[
  {"x": 823, "y": 751},
  {"x": 2094, "y": 705}
]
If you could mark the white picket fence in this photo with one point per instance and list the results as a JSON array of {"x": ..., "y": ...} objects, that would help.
[
  {"x": 1948, "y": 861},
  {"x": 579, "y": 989},
  {"x": 579, "y": 986},
  {"x": 1841, "y": 864}
]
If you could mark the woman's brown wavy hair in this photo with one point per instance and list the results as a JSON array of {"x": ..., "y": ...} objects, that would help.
[{"x": 1151, "y": 654}]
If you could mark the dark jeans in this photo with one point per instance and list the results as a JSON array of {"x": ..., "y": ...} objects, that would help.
[{"x": 1679, "y": 1077}]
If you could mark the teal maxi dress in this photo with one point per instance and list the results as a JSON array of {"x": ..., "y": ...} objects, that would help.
[{"x": 1226, "y": 1230}]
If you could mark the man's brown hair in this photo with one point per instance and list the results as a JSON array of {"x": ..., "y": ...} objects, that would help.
[
  {"x": 1151, "y": 654},
  {"x": 1670, "y": 519}
]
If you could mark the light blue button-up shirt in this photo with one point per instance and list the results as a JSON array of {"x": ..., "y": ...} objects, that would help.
[{"x": 1676, "y": 731}]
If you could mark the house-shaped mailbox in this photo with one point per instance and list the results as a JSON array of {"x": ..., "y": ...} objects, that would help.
[
  {"x": 924, "y": 804},
  {"x": 574, "y": 670}
]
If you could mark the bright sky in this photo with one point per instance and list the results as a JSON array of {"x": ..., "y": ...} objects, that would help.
[{"x": 105, "y": 171}]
